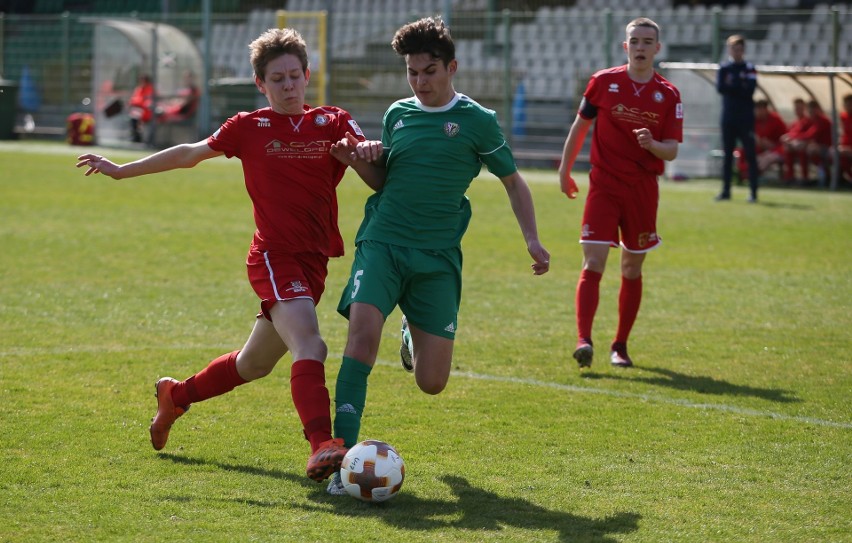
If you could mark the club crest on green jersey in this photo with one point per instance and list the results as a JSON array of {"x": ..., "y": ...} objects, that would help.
[{"x": 451, "y": 129}]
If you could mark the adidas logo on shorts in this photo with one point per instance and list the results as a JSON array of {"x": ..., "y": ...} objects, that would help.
[{"x": 347, "y": 408}]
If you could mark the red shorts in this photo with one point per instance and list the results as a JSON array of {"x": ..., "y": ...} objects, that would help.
[
  {"x": 613, "y": 206},
  {"x": 283, "y": 276}
]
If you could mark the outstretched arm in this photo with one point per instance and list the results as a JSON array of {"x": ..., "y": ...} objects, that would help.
[
  {"x": 365, "y": 157},
  {"x": 522, "y": 205},
  {"x": 185, "y": 155}
]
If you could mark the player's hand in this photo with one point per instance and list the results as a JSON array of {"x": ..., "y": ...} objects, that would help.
[
  {"x": 370, "y": 150},
  {"x": 569, "y": 187},
  {"x": 344, "y": 150},
  {"x": 540, "y": 256},
  {"x": 350, "y": 149},
  {"x": 97, "y": 164},
  {"x": 644, "y": 138}
]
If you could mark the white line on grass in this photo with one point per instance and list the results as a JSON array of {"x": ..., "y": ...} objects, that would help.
[
  {"x": 477, "y": 376},
  {"x": 653, "y": 398}
]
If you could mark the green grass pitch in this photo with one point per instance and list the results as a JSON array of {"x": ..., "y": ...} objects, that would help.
[{"x": 736, "y": 424}]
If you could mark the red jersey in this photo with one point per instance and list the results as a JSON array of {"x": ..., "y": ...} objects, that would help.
[
  {"x": 819, "y": 130},
  {"x": 143, "y": 99},
  {"x": 799, "y": 127},
  {"x": 290, "y": 175},
  {"x": 621, "y": 105},
  {"x": 846, "y": 125},
  {"x": 770, "y": 128}
]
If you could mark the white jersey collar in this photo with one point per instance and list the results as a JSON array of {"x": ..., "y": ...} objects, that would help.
[{"x": 449, "y": 105}]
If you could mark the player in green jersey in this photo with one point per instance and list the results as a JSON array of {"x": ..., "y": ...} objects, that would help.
[{"x": 408, "y": 247}]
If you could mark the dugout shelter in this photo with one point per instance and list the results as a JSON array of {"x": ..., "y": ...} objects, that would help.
[
  {"x": 123, "y": 50},
  {"x": 779, "y": 85}
]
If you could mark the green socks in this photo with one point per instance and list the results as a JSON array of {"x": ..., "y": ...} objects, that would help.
[{"x": 349, "y": 398}]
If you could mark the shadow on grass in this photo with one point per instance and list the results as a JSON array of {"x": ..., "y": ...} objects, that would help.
[
  {"x": 700, "y": 384},
  {"x": 248, "y": 470},
  {"x": 785, "y": 205},
  {"x": 473, "y": 509}
]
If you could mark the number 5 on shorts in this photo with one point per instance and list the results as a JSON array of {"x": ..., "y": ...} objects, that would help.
[{"x": 356, "y": 282}]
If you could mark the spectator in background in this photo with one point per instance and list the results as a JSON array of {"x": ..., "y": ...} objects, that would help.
[
  {"x": 845, "y": 146},
  {"x": 141, "y": 106},
  {"x": 818, "y": 138},
  {"x": 795, "y": 144},
  {"x": 808, "y": 141},
  {"x": 768, "y": 129},
  {"x": 183, "y": 106},
  {"x": 736, "y": 81}
]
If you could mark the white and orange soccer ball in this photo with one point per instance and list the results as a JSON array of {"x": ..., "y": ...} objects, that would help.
[{"x": 372, "y": 471}]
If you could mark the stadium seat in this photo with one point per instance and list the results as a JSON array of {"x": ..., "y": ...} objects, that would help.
[
  {"x": 683, "y": 14},
  {"x": 821, "y": 54},
  {"x": 776, "y": 32},
  {"x": 812, "y": 32},
  {"x": 762, "y": 52},
  {"x": 536, "y": 87},
  {"x": 731, "y": 16},
  {"x": 800, "y": 54},
  {"x": 821, "y": 14},
  {"x": 794, "y": 31},
  {"x": 783, "y": 52},
  {"x": 748, "y": 15}
]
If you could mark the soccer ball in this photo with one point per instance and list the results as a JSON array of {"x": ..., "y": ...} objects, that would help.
[{"x": 372, "y": 471}]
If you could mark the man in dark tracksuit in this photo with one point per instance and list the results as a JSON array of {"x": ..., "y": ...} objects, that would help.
[{"x": 736, "y": 81}]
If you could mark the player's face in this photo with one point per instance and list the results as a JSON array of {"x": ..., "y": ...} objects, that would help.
[
  {"x": 431, "y": 81},
  {"x": 814, "y": 111},
  {"x": 285, "y": 85},
  {"x": 641, "y": 46},
  {"x": 736, "y": 51}
]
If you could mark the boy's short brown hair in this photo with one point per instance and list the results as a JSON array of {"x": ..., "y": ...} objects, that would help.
[{"x": 272, "y": 44}]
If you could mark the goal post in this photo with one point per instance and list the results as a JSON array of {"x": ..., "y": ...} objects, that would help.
[{"x": 313, "y": 26}]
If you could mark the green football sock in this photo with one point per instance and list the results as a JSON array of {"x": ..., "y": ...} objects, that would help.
[{"x": 350, "y": 395}]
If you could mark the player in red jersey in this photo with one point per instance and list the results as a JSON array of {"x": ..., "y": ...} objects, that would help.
[
  {"x": 291, "y": 178},
  {"x": 845, "y": 146},
  {"x": 818, "y": 138},
  {"x": 768, "y": 129},
  {"x": 795, "y": 144},
  {"x": 639, "y": 124}
]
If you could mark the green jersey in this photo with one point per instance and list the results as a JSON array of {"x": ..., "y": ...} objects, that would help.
[{"x": 432, "y": 156}]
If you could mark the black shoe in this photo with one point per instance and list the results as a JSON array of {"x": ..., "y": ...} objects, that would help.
[
  {"x": 584, "y": 353},
  {"x": 722, "y": 196}
]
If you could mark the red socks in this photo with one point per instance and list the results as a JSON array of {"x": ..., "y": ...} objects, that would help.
[
  {"x": 588, "y": 296},
  {"x": 307, "y": 384},
  {"x": 629, "y": 298},
  {"x": 310, "y": 396},
  {"x": 586, "y": 301},
  {"x": 219, "y": 377}
]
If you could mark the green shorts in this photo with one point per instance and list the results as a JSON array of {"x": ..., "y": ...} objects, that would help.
[{"x": 425, "y": 283}]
